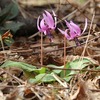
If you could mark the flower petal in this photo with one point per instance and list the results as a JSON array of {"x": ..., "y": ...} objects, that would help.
[
  {"x": 76, "y": 28},
  {"x": 65, "y": 33},
  {"x": 55, "y": 18},
  {"x": 38, "y": 26},
  {"x": 72, "y": 32},
  {"x": 67, "y": 36},
  {"x": 43, "y": 26},
  {"x": 67, "y": 23},
  {"x": 48, "y": 19}
]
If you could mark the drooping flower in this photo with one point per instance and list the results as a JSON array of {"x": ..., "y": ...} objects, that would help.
[
  {"x": 74, "y": 30},
  {"x": 47, "y": 23}
]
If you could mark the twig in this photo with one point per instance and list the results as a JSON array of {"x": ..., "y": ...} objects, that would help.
[
  {"x": 3, "y": 47},
  {"x": 70, "y": 47},
  {"x": 57, "y": 78},
  {"x": 22, "y": 51},
  {"x": 57, "y": 68},
  {"x": 45, "y": 45},
  {"x": 30, "y": 37},
  {"x": 14, "y": 77},
  {"x": 36, "y": 94},
  {"x": 74, "y": 12},
  {"x": 88, "y": 36}
]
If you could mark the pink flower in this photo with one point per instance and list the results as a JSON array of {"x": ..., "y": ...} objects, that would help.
[
  {"x": 47, "y": 23},
  {"x": 74, "y": 30}
]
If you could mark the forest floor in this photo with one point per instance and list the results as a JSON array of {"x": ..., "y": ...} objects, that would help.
[{"x": 67, "y": 71}]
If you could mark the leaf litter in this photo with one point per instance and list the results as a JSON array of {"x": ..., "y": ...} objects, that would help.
[{"x": 22, "y": 77}]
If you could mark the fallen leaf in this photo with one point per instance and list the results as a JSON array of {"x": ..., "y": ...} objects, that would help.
[{"x": 82, "y": 93}]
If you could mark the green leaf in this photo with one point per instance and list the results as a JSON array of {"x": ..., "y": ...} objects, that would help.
[
  {"x": 62, "y": 74},
  {"x": 67, "y": 78},
  {"x": 56, "y": 71},
  {"x": 14, "y": 10},
  {"x": 46, "y": 78},
  {"x": 33, "y": 80},
  {"x": 22, "y": 65},
  {"x": 9, "y": 12},
  {"x": 76, "y": 64},
  {"x": 13, "y": 26},
  {"x": 8, "y": 41},
  {"x": 98, "y": 68},
  {"x": 80, "y": 63},
  {"x": 4, "y": 13},
  {"x": 42, "y": 70}
]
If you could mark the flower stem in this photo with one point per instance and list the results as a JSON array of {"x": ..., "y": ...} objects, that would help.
[
  {"x": 77, "y": 41},
  {"x": 64, "y": 55},
  {"x": 41, "y": 48}
]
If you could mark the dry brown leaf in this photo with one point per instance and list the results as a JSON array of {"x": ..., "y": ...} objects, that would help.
[
  {"x": 1, "y": 57},
  {"x": 82, "y": 92},
  {"x": 13, "y": 95},
  {"x": 79, "y": 50},
  {"x": 2, "y": 97},
  {"x": 29, "y": 94}
]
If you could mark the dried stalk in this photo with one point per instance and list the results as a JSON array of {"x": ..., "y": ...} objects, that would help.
[
  {"x": 57, "y": 68},
  {"x": 88, "y": 36},
  {"x": 3, "y": 47}
]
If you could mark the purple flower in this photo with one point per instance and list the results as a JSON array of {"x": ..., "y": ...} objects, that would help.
[
  {"x": 74, "y": 30},
  {"x": 47, "y": 23}
]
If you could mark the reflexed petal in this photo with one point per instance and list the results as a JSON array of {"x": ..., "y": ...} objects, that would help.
[
  {"x": 65, "y": 33},
  {"x": 67, "y": 23},
  {"x": 72, "y": 35},
  {"x": 38, "y": 26},
  {"x": 49, "y": 19},
  {"x": 55, "y": 19},
  {"x": 76, "y": 28},
  {"x": 73, "y": 31},
  {"x": 43, "y": 26},
  {"x": 85, "y": 26}
]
